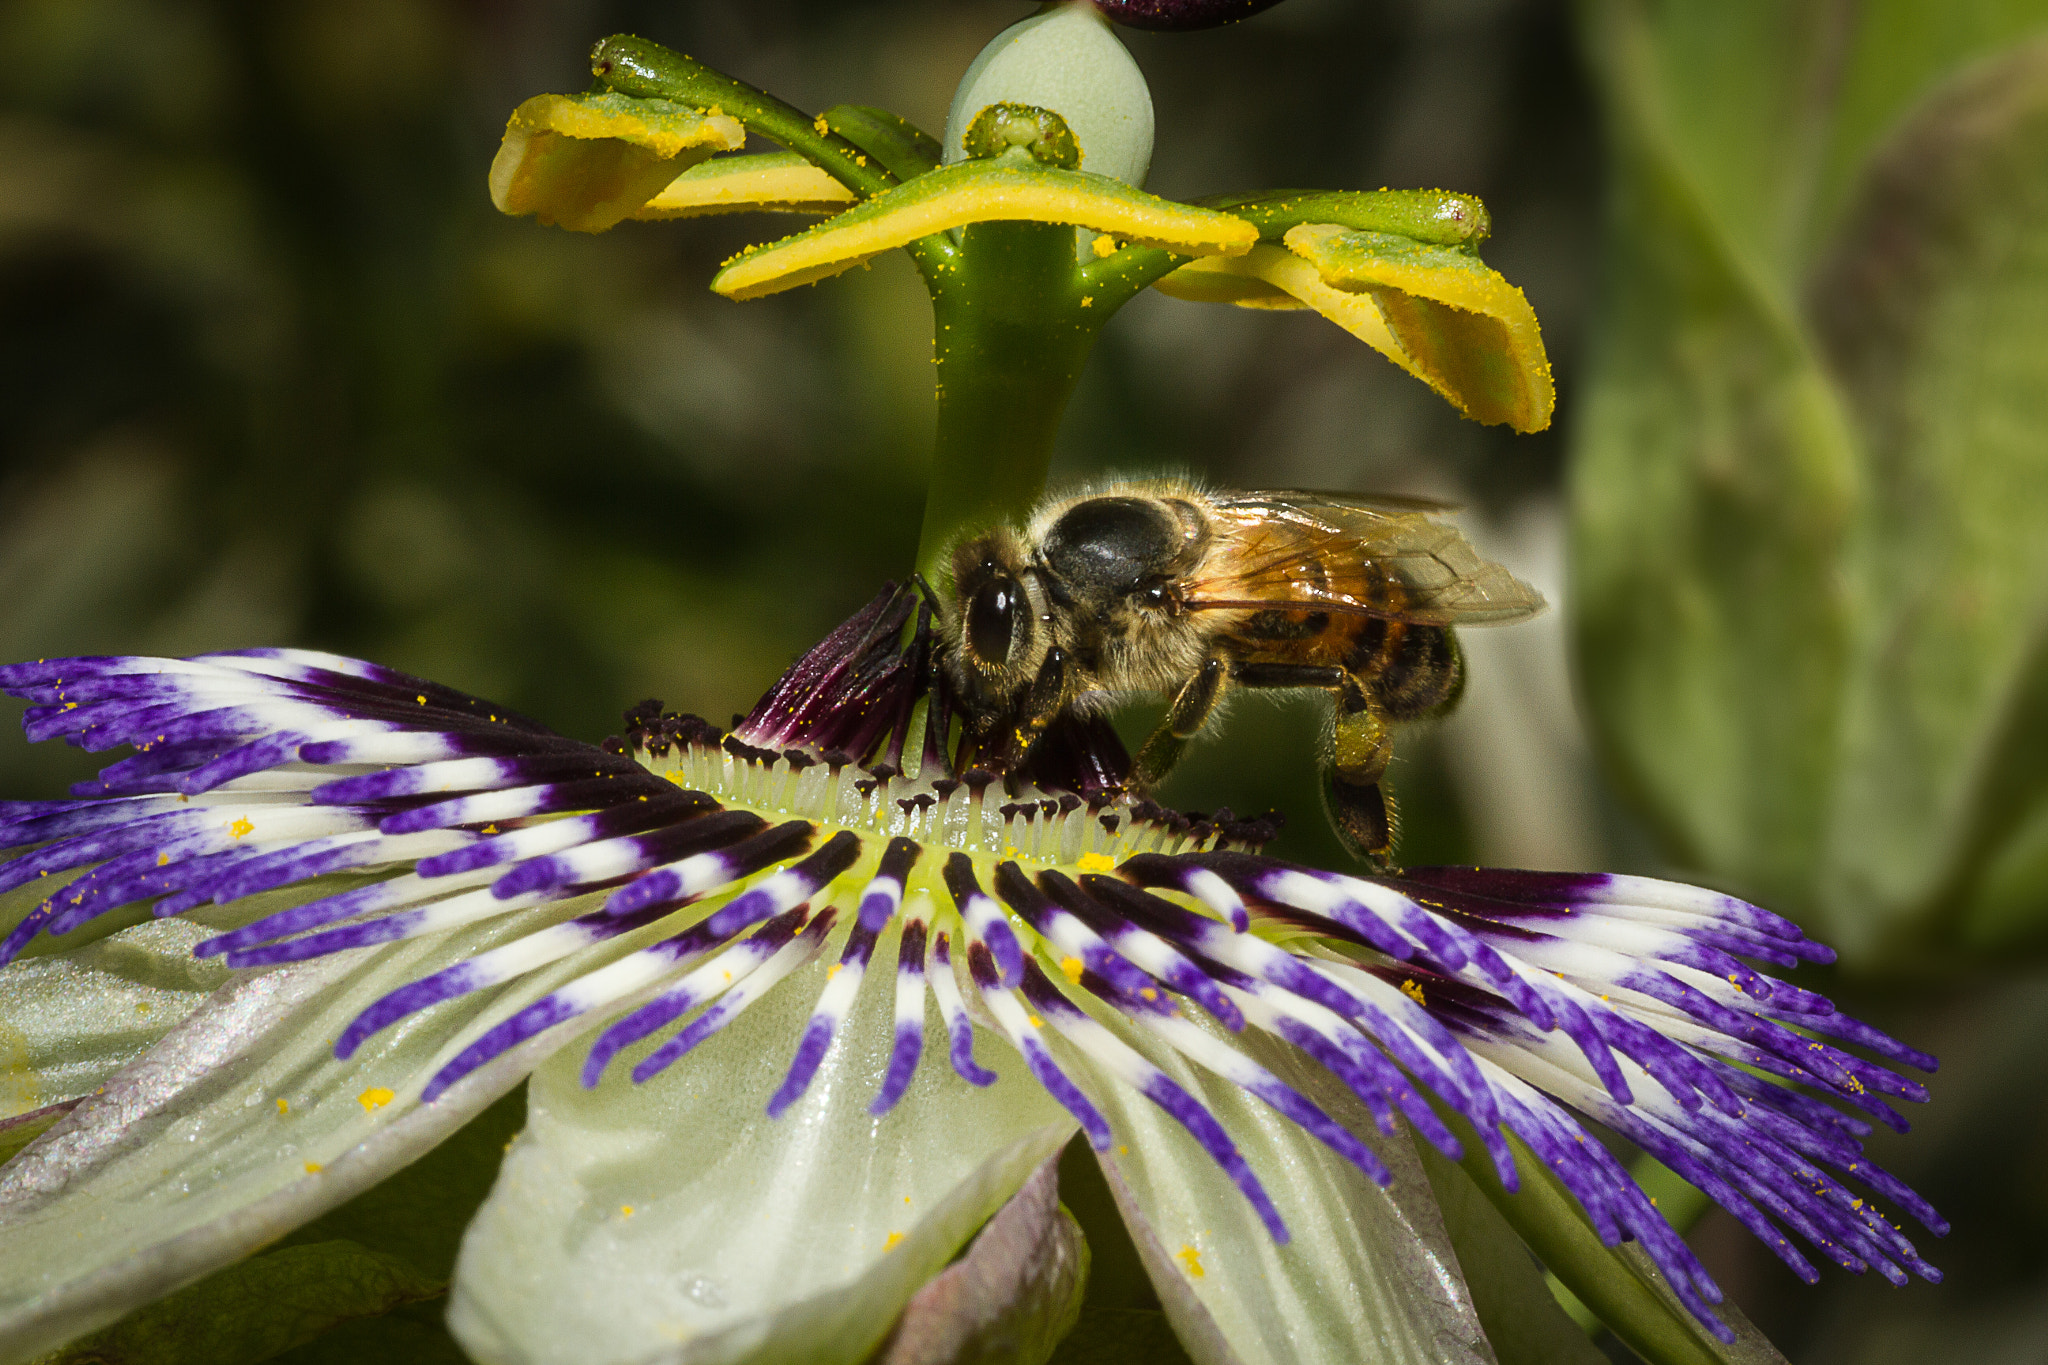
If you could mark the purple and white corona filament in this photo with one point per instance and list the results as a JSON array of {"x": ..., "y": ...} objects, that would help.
[{"x": 1030, "y": 907}]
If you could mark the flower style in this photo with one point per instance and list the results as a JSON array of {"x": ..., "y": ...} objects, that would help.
[{"x": 474, "y": 891}]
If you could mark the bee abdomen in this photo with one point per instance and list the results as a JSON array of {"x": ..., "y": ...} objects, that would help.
[
  {"x": 1419, "y": 671},
  {"x": 1273, "y": 624}
]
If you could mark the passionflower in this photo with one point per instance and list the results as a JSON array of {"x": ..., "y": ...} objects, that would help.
[{"x": 834, "y": 999}]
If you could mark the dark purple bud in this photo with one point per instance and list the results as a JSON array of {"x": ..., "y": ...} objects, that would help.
[{"x": 1180, "y": 15}]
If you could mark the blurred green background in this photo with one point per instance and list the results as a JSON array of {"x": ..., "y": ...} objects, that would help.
[{"x": 272, "y": 371}]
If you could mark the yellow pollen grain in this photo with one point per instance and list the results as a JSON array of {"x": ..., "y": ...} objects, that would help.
[
  {"x": 1036, "y": 1022},
  {"x": 1096, "y": 862},
  {"x": 241, "y": 826},
  {"x": 822, "y": 128},
  {"x": 1104, "y": 246},
  {"x": 894, "y": 1238},
  {"x": 1413, "y": 990},
  {"x": 313, "y": 1168},
  {"x": 625, "y": 1210},
  {"x": 833, "y": 970},
  {"x": 1192, "y": 1259},
  {"x": 489, "y": 829},
  {"x": 420, "y": 697},
  {"x": 1072, "y": 966},
  {"x": 282, "y": 1107},
  {"x": 1855, "y": 1085},
  {"x": 163, "y": 859},
  {"x": 376, "y": 1097},
  {"x": 1087, "y": 300}
]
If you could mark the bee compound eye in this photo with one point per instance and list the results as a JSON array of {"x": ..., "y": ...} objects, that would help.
[{"x": 991, "y": 620}]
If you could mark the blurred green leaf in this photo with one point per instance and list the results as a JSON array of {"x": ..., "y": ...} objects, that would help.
[
  {"x": 251, "y": 1311},
  {"x": 1933, "y": 304},
  {"x": 390, "y": 1247},
  {"x": 1121, "y": 1336},
  {"x": 1808, "y": 485},
  {"x": 1712, "y": 482},
  {"x": 410, "y": 1334}
]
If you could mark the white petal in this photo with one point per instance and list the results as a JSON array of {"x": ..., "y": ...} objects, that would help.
[
  {"x": 186, "y": 1160},
  {"x": 1368, "y": 1274},
  {"x": 676, "y": 1221}
]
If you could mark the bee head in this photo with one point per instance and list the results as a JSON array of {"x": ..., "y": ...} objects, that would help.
[{"x": 991, "y": 622}]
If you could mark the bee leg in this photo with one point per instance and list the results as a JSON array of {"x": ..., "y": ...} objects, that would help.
[
  {"x": 1190, "y": 711},
  {"x": 1360, "y": 746},
  {"x": 1043, "y": 703}
]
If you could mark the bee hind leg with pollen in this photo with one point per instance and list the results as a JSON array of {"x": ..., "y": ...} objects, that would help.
[{"x": 1358, "y": 743}]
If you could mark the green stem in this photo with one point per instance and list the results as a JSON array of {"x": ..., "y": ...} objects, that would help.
[{"x": 1010, "y": 338}]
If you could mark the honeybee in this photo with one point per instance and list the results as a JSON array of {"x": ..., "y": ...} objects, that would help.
[{"x": 1159, "y": 586}]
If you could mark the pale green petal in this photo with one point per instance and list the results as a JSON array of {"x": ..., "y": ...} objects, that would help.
[
  {"x": 238, "y": 1126},
  {"x": 676, "y": 1221},
  {"x": 71, "y": 1021},
  {"x": 79, "y": 1007},
  {"x": 1369, "y": 1273}
]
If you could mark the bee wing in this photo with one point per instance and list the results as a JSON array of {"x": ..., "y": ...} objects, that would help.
[
  {"x": 1311, "y": 498},
  {"x": 1285, "y": 540}
]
